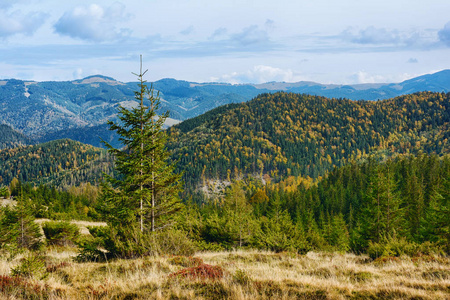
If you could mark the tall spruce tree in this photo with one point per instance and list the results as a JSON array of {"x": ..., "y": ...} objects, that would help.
[{"x": 144, "y": 196}]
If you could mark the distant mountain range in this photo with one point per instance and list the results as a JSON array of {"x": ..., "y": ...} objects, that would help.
[{"x": 79, "y": 109}]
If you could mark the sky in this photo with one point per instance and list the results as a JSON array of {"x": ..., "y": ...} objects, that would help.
[{"x": 325, "y": 41}]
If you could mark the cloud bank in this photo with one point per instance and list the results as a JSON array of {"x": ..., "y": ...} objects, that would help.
[
  {"x": 444, "y": 34},
  {"x": 259, "y": 74},
  {"x": 94, "y": 23},
  {"x": 17, "y": 22}
]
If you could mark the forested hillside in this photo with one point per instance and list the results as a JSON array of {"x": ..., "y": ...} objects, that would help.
[
  {"x": 292, "y": 134},
  {"x": 9, "y": 138},
  {"x": 399, "y": 206},
  {"x": 60, "y": 163}
]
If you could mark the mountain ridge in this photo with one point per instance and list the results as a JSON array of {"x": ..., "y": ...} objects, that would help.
[{"x": 42, "y": 110}]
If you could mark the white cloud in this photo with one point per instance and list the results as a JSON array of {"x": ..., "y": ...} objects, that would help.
[
  {"x": 444, "y": 34},
  {"x": 251, "y": 35},
  {"x": 393, "y": 37},
  {"x": 17, "y": 22},
  {"x": 372, "y": 35},
  {"x": 259, "y": 74},
  {"x": 94, "y": 23},
  {"x": 365, "y": 77}
]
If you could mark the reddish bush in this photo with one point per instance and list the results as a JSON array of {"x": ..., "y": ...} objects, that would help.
[
  {"x": 19, "y": 286},
  {"x": 53, "y": 268},
  {"x": 202, "y": 271}
]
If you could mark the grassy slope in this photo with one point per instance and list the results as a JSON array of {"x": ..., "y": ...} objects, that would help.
[{"x": 247, "y": 275}]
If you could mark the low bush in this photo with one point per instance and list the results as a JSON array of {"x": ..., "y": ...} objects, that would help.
[
  {"x": 15, "y": 287},
  {"x": 396, "y": 247},
  {"x": 32, "y": 266},
  {"x": 60, "y": 233},
  {"x": 203, "y": 271},
  {"x": 107, "y": 243},
  {"x": 172, "y": 242},
  {"x": 185, "y": 261}
]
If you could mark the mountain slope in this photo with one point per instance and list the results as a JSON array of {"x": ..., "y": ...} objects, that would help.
[
  {"x": 61, "y": 162},
  {"x": 43, "y": 109},
  {"x": 293, "y": 134},
  {"x": 274, "y": 135},
  {"x": 10, "y": 138}
]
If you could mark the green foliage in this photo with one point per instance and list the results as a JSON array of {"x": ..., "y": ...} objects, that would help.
[
  {"x": 399, "y": 246},
  {"x": 278, "y": 232},
  {"x": 354, "y": 208},
  {"x": 4, "y": 192},
  {"x": 60, "y": 233},
  {"x": 77, "y": 203},
  {"x": 148, "y": 188},
  {"x": 171, "y": 242},
  {"x": 32, "y": 266},
  {"x": 109, "y": 243},
  {"x": 338, "y": 236},
  {"x": 18, "y": 227}
]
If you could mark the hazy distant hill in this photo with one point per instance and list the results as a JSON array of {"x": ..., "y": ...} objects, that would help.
[
  {"x": 51, "y": 109},
  {"x": 10, "y": 138}
]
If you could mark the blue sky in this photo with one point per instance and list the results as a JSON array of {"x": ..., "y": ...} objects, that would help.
[{"x": 345, "y": 41}]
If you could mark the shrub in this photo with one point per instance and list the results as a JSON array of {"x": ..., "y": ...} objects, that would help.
[
  {"x": 18, "y": 286},
  {"x": 108, "y": 243},
  {"x": 186, "y": 261},
  {"x": 203, "y": 271},
  {"x": 31, "y": 266},
  {"x": 60, "y": 233},
  {"x": 18, "y": 228},
  {"x": 89, "y": 250},
  {"x": 241, "y": 277},
  {"x": 396, "y": 247},
  {"x": 4, "y": 192},
  {"x": 172, "y": 242}
]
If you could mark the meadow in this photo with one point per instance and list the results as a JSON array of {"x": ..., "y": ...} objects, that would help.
[{"x": 241, "y": 274}]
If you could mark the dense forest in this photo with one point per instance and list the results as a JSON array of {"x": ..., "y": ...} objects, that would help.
[
  {"x": 61, "y": 163},
  {"x": 384, "y": 208},
  {"x": 286, "y": 134}
]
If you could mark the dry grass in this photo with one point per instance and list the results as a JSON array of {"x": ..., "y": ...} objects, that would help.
[{"x": 246, "y": 275}]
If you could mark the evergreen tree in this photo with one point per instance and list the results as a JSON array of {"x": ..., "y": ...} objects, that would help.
[
  {"x": 435, "y": 225},
  {"x": 144, "y": 196},
  {"x": 238, "y": 215},
  {"x": 339, "y": 237},
  {"x": 18, "y": 227},
  {"x": 382, "y": 215}
]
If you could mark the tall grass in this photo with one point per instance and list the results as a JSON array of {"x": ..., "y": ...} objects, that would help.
[{"x": 231, "y": 275}]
